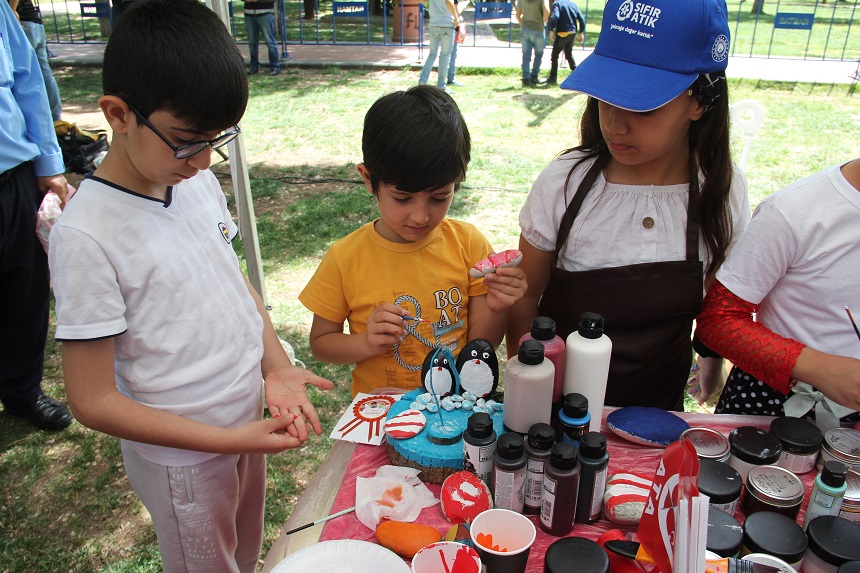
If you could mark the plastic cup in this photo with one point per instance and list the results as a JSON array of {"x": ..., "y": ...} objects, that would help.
[
  {"x": 512, "y": 532},
  {"x": 443, "y": 555}
]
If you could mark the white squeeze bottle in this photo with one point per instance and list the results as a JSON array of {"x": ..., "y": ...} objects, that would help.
[
  {"x": 586, "y": 364},
  {"x": 528, "y": 388}
]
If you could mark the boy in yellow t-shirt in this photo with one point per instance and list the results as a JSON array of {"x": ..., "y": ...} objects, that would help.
[{"x": 402, "y": 282}]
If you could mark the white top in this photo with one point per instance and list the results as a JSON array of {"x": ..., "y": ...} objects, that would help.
[
  {"x": 610, "y": 229},
  {"x": 162, "y": 278},
  {"x": 800, "y": 262}
]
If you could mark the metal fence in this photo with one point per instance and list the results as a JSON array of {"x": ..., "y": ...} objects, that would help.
[{"x": 808, "y": 29}]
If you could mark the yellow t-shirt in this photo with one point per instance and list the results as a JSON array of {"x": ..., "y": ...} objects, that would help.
[{"x": 429, "y": 278}]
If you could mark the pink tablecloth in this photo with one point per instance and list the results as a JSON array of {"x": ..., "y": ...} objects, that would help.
[{"x": 623, "y": 456}]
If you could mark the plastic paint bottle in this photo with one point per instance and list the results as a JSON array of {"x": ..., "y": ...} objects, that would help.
[
  {"x": 479, "y": 443},
  {"x": 586, "y": 370},
  {"x": 509, "y": 472},
  {"x": 528, "y": 388},
  {"x": 543, "y": 330},
  {"x": 594, "y": 460},
  {"x": 560, "y": 484},
  {"x": 538, "y": 445},
  {"x": 827, "y": 492},
  {"x": 573, "y": 419}
]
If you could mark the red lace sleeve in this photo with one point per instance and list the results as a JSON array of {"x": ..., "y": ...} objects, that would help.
[{"x": 726, "y": 325}]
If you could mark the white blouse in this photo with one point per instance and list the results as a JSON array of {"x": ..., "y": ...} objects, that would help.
[{"x": 617, "y": 225}]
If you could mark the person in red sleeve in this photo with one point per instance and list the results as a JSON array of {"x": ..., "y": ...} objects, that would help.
[{"x": 777, "y": 310}]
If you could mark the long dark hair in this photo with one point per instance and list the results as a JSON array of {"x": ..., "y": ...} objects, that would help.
[{"x": 709, "y": 154}]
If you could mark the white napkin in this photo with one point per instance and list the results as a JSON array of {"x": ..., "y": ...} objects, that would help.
[{"x": 394, "y": 493}]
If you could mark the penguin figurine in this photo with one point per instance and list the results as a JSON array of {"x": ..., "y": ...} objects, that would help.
[
  {"x": 437, "y": 372},
  {"x": 479, "y": 368}
]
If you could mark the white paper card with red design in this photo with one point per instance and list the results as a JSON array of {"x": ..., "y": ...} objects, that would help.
[
  {"x": 673, "y": 528},
  {"x": 363, "y": 420}
]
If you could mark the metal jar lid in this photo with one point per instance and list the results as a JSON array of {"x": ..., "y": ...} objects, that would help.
[
  {"x": 798, "y": 436},
  {"x": 709, "y": 444},
  {"x": 843, "y": 444},
  {"x": 852, "y": 491},
  {"x": 775, "y": 486}
]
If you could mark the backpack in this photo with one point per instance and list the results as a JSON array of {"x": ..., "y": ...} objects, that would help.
[{"x": 81, "y": 149}]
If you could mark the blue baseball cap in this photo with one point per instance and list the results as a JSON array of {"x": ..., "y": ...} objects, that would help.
[{"x": 650, "y": 51}]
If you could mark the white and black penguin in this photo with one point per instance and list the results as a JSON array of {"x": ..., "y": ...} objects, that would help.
[
  {"x": 437, "y": 374},
  {"x": 479, "y": 368}
]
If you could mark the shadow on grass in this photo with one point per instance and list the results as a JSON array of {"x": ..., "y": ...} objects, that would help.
[{"x": 542, "y": 105}]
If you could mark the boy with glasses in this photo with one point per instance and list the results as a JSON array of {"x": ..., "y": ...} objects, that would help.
[{"x": 165, "y": 344}]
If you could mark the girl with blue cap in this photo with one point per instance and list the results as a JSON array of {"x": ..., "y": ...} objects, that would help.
[{"x": 634, "y": 222}]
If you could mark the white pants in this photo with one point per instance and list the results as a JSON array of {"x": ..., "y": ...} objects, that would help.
[{"x": 207, "y": 517}]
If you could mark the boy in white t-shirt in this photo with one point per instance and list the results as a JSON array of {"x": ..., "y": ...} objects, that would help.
[{"x": 165, "y": 343}]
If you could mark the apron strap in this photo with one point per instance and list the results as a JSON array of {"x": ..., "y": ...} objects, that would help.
[{"x": 575, "y": 204}]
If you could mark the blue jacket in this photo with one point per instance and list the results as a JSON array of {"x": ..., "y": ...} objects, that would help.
[{"x": 566, "y": 17}]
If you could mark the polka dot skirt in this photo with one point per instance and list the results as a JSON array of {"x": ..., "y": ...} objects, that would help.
[{"x": 744, "y": 394}]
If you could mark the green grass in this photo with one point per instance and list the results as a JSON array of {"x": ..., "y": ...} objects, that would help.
[{"x": 66, "y": 505}]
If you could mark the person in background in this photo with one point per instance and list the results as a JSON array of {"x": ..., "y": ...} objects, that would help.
[
  {"x": 31, "y": 165},
  {"x": 260, "y": 19},
  {"x": 459, "y": 35},
  {"x": 31, "y": 21},
  {"x": 444, "y": 19},
  {"x": 565, "y": 21},
  {"x": 402, "y": 282},
  {"x": 796, "y": 270},
  {"x": 634, "y": 221},
  {"x": 166, "y": 345},
  {"x": 532, "y": 16}
]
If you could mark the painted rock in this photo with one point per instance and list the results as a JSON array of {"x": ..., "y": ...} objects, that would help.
[
  {"x": 406, "y": 424},
  {"x": 646, "y": 426},
  {"x": 463, "y": 497},
  {"x": 509, "y": 258}
]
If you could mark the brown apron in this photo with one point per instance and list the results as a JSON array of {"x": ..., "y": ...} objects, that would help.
[{"x": 649, "y": 310}]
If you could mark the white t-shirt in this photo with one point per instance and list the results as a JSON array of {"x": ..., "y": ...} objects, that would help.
[
  {"x": 617, "y": 225},
  {"x": 163, "y": 279},
  {"x": 800, "y": 262}
]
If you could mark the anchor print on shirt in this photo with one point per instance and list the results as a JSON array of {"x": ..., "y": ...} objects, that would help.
[{"x": 448, "y": 306}]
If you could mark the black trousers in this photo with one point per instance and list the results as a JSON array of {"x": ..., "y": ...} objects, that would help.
[
  {"x": 561, "y": 44},
  {"x": 24, "y": 288}
]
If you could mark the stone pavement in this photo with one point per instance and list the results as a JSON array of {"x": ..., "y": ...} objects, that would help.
[{"x": 495, "y": 54}]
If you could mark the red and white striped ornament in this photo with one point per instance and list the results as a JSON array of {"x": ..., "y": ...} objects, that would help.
[{"x": 406, "y": 424}]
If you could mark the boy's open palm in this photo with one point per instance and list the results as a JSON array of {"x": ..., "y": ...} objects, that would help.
[{"x": 286, "y": 395}]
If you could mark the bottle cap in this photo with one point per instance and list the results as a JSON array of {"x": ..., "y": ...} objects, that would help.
[
  {"x": 531, "y": 352},
  {"x": 593, "y": 445},
  {"x": 833, "y": 474},
  {"x": 541, "y": 436},
  {"x": 510, "y": 445},
  {"x": 575, "y": 405},
  {"x": 563, "y": 456},
  {"x": 591, "y": 325},
  {"x": 480, "y": 425},
  {"x": 543, "y": 328}
]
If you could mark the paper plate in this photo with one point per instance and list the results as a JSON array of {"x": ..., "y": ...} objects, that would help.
[{"x": 343, "y": 556}]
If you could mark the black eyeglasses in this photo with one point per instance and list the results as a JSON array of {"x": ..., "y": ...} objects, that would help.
[{"x": 189, "y": 149}]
